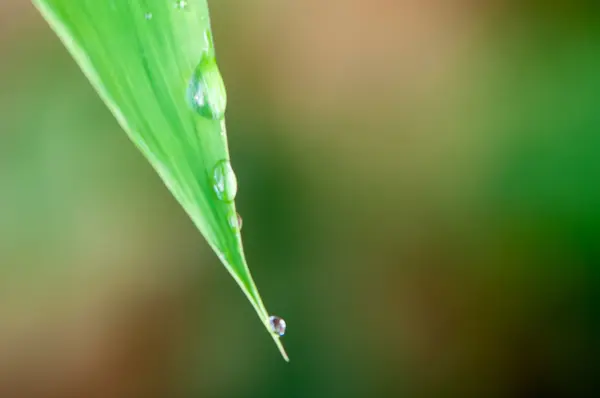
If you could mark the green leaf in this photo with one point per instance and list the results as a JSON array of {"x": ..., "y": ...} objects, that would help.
[{"x": 153, "y": 64}]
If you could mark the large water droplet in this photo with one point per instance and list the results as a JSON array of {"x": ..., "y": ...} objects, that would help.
[
  {"x": 206, "y": 91},
  {"x": 224, "y": 181},
  {"x": 277, "y": 325}
]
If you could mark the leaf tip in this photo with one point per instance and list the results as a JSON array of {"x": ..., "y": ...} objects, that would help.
[{"x": 281, "y": 348}]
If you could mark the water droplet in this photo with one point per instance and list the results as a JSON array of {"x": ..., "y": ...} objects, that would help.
[
  {"x": 208, "y": 38},
  {"x": 224, "y": 181},
  {"x": 235, "y": 221},
  {"x": 148, "y": 16},
  {"x": 277, "y": 325},
  {"x": 181, "y": 4},
  {"x": 206, "y": 91},
  {"x": 223, "y": 128}
]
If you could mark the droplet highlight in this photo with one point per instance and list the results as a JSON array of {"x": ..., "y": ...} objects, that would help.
[
  {"x": 277, "y": 325},
  {"x": 225, "y": 181},
  {"x": 206, "y": 91},
  {"x": 148, "y": 16}
]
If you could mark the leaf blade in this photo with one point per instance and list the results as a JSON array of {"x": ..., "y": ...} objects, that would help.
[{"x": 139, "y": 55}]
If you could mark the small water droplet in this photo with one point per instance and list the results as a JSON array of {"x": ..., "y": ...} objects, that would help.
[
  {"x": 181, "y": 4},
  {"x": 224, "y": 181},
  {"x": 208, "y": 38},
  {"x": 148, "y": 16},
  {"x": 206, "y": 92},
  {"x": 235, "y": 221},
  {"x": 277, "y": 325}
]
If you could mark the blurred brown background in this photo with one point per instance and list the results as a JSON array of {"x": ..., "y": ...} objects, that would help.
[{"x": 420, "y": 187}]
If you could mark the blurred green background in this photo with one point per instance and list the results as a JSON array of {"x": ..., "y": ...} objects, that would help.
[{"x": 420, "y": 187}]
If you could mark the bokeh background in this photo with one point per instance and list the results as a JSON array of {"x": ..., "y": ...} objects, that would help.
[{"x": 420, "y": 187}]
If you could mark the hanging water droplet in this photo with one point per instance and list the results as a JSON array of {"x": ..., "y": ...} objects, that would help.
[
  {"x": 206, "y": 91},
  {"x": 224, "y": 181},
  {"x": 235, "y": 221},
  {"x": 277, "y": 325},
  {"x": 148, "y": 16}
]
